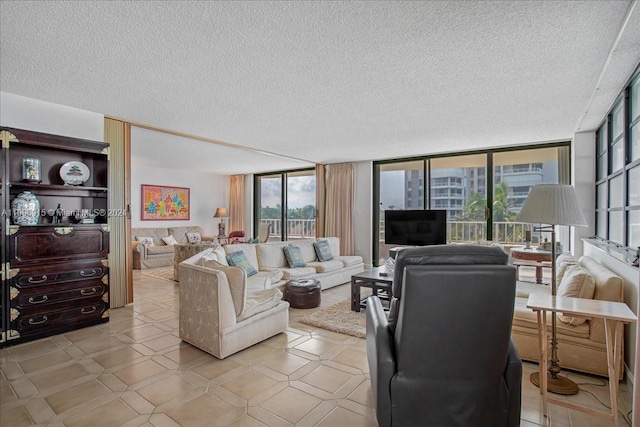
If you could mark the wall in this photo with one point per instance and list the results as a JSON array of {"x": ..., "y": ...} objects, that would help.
[
  {"x": 41, "y": 116},
  {"x": 583, "y": 177},
  {"x": 206, "y": 191},
  {"x": 363, "y": 216}
]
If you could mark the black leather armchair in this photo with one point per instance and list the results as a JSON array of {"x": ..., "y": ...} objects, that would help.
[{"x": 443, "y": 355}]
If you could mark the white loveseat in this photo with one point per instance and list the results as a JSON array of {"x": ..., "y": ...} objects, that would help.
[{"x": 274, "y": 271}]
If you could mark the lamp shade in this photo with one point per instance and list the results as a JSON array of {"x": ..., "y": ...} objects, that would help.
[
  {"x": 221, "y": 213},
  {"x": 553, "y": 204}
]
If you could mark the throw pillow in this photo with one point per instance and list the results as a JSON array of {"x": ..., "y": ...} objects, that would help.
[
  {"x": 294, "y": 256},
  {"x": 193, "y": 237},
  {"x": 254, "y": 241},
  {"x": 146, "y": 241},
  {"x": 323, "y": 251},
  {"x": 170, "y": 240},
  {"x": 239, "y": 259},
  {"x": 577, "y": 283}
]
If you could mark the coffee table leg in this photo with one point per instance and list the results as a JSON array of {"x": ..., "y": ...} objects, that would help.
[{"x": 355, "y": 296}]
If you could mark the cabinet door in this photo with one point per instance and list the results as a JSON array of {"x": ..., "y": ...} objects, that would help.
[
  {"x": 40, "y": 245},
  {"x": 4, "y": 316}
]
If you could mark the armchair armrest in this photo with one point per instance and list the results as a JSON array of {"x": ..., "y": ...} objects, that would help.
[
  {"x": 381, "y": 359},
  {"x": 513, "y": 378},
  {"x": 141, "y": 249}
]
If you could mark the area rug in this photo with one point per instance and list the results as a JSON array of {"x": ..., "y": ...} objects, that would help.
[
  {"x": 164, "y": 273},
  {"x": 338, "y": 318}
]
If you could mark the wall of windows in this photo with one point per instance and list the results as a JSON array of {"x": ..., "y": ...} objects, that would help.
[
  {"x": 618, "y": 170},
  {"x": 287, "y": 201},
  {"x": 462, "y": 183}
]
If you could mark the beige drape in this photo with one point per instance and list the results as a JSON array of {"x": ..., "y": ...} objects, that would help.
[
  {"x": 236, "y": 203},
  {"x": 320, "y": 200},
  {"x": 340, "y": 198}
]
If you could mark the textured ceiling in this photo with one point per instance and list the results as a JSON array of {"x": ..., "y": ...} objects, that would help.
[{"x": 324, "y": 81}]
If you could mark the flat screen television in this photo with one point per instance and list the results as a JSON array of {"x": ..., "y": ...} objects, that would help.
[{"x": 415, "y": 227}]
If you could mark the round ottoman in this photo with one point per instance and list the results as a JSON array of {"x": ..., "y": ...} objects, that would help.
[{"x": 303, "y": 293}]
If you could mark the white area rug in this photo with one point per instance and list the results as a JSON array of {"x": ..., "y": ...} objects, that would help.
[{"x": 338, "y": 318}]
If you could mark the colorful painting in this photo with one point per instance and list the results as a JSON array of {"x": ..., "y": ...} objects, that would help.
[{"x": 164, "y": 203}]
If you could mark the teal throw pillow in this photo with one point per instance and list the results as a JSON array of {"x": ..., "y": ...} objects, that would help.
[
  {"x": 254, "y": 241},
  {"x": 294, "y": 256},
  {"x": 239, "y": 259},
  {"x": 323, "y": 251}
]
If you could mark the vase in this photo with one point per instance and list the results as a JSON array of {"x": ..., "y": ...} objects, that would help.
[
  {"x": 25, "y": 209},
  {"x": 31, "y": 169}
]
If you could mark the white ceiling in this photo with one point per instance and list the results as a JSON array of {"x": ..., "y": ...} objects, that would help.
[{"x": 324, "y": 82}]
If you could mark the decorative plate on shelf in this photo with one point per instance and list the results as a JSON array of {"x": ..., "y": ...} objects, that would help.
[{"x": 74, "y": 173}]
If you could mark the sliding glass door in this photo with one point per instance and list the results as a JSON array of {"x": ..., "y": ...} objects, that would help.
[{"x": 287, "y": 201}]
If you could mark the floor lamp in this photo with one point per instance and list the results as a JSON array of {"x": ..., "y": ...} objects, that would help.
[{"x": 553, "y": 204}]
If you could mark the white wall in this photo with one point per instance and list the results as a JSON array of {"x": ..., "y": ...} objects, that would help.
[
  {"x": 583, "y": 178},
  {"x": 33, "y": 114},
  {"x": 363, "y": 217},
  {"x": 205, "y": 194}
]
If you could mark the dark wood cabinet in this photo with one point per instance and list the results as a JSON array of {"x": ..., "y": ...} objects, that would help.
[{"x": 55, "y": 274}]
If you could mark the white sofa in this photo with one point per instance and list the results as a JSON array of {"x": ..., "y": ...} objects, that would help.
[
  {"x": 160, "y": 254},
  {"x": 581, "y": 347},
  {"x": 219, "y": 315},
  {"x": 274, "y": 271}
]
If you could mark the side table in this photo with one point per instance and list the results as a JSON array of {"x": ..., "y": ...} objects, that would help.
[
  {"x": 615, "y": 314},
  {"x": 184, "y": 251},
  {"x": 370, "y": 279}
]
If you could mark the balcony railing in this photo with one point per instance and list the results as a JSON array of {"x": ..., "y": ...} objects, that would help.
[{"x": 296, "y": 228}]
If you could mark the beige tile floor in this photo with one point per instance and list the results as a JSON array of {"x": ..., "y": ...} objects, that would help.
[{"x": 135, "y": 371}]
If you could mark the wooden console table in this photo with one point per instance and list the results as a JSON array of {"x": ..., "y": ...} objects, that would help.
[
  {"x": 532, "y": 258},
  {"x": 615, "y": 314}
]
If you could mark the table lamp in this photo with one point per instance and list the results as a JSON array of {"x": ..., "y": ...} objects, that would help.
[
  {"x": 553, "y": 204},
  {"x": 221, "y": 213}
]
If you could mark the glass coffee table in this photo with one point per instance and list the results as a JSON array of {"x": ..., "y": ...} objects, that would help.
[{"x": 375, "y": 279}]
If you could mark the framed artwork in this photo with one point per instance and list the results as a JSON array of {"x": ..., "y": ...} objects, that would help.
[{"x": 161, "y": 203}]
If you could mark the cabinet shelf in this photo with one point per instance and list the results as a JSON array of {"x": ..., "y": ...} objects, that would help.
[{"x": 60, "y": 190}]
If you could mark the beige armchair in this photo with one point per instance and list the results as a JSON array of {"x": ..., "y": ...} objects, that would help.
[{"x": 218, "y": 315}]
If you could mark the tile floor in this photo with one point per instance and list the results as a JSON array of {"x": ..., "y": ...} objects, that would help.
[{"x": 135, "y": 371}]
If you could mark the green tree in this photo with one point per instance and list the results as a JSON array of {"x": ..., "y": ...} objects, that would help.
[
  {"x": 474, "y": 208},
  {"x": 502, "y": 207}
]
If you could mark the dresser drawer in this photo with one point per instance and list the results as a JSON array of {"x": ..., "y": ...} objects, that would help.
[
  {"x": 56, "y": 320},
  {"x": 31, "y": 277},
  {"x": 56, "y": 294},
  {"x": 38, "y": 245}
]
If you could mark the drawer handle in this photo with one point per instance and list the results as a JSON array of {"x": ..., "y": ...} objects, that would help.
[
  {"x": 86, "y": 292},
  {"x": 83, "y": 311},
  {"x": 32, "y": 280},
  {"x": 33, "y": 322},
  {"x": 83, "y": 274},
  {"x": 42, "y": 299}
]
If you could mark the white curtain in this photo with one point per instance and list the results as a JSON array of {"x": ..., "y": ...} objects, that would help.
[{"x": 340, "y": 197}]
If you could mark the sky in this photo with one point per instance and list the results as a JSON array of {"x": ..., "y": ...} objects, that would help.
[{"x": 301, "y": 191}]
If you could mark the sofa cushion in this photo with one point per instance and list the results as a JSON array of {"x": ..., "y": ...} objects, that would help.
[
  {"x": 156, "y": 250},
  {"x": 170, "y": 240},
  {"x": 180, "y": 233},
  {"x": 576, "y": 283},
  {"x": 156, "y": 233},
  {"x": 307, "y": 249},
  {"x": 323, "y": 251},
  {"x": 235, "y": 278},
  {"x": 524, "y": 289},
  {"x": 221, "y": 255},
  {"x": 297, "y": 273},
  {"x": 239, "y": 259},
  {"x": 260, "y": 301},
  {"x": 294, "y": 256},
  {"x": 271, "y": 256},
  {"x": 349, "y": 260},
  {"x": 145, "y": 240},
  {"x": 326, "y": 266}
]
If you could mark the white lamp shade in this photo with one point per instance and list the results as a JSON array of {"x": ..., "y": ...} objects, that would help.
[
  {"x": 553, "y": 204},
  {"x": 221, "y": 213}
]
